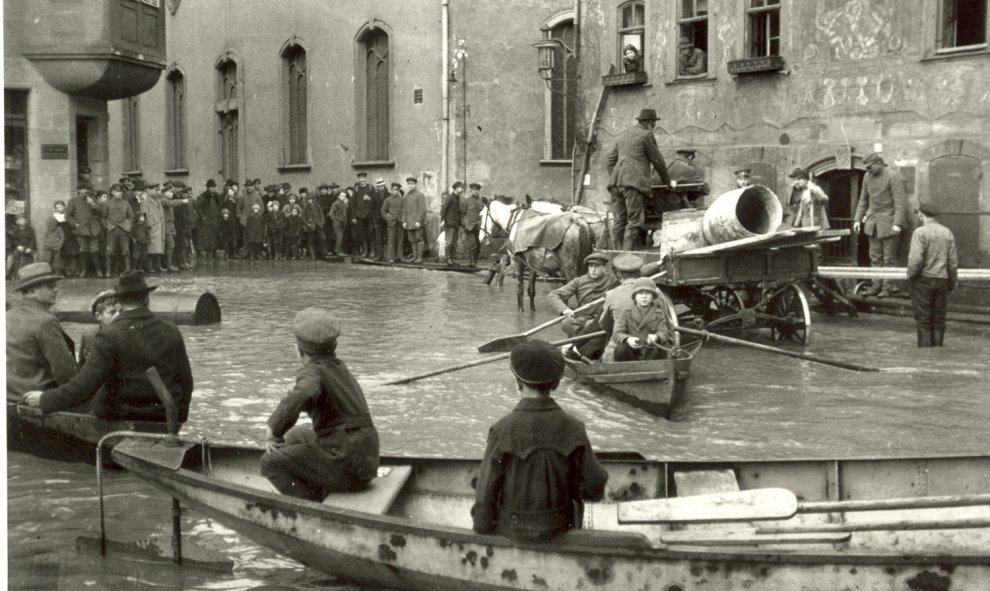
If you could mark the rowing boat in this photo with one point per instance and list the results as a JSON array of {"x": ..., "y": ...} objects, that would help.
[
  {"x": 411, "y": 528},
  {"x": 656, "y": 386}
]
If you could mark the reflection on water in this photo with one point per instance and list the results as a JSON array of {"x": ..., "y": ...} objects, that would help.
[{"x": 741, "y": 404}]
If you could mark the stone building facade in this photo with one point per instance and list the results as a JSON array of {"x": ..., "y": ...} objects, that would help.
[{"x": 818, "y": 85}]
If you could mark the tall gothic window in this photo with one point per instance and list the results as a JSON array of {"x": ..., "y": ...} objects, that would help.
[
  {"x": 563, "y": 93},
  {"x": 228, "y": 124},
  {"x": 295, "y": 101},
  {"x": 132, "y": 134},
  {"x": 374, "y": 47},
  {"x": 175, "y": 116}
]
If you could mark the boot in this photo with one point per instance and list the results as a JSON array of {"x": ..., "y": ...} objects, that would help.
[
  {"x": 95, "y": 260},
  {"x": 450, "y": 260},
  {"x": 109, "y": 265},
  {"x": 418, "y": 252},
  {"x": 937, "y": 335},
  {"x": 169, "y": 252},
  {"x": 83, "y": 266},
  {"x": 924, "y": 337}
]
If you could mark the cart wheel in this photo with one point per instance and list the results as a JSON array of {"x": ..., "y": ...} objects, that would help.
[
  {"x": 667, "y": 306},
  {"x": 862, "y": 286},
  {"x": 793, "y": 318},
  {"x": 725, "y": 301}
]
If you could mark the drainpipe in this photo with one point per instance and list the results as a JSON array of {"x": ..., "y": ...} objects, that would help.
[
  {"x": 444, "y": 93},
  {"x": 577, "y": 184}
]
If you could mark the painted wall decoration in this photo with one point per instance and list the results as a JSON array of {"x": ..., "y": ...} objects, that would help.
[{"x": 854, "y": 30}]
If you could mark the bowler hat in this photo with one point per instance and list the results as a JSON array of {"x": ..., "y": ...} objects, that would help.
[
  {"x": 132, "y": 282},
  {"x": 475, "y": 186},
  {"x": 596, "y": 258},
  {"x": 106, "y": 293},
  {"x": 647, "y": 115},
  {"x": 628, "y": 262},
  {"x": 799, "y": 173},
  {"x": 874, "y": 157},
  {"x": 644, "y": 284},
  {"x": 211, "y": 183},
  {"x": 316, "y": 330},
  {"x": 536, "y": 362},
  {"x": 929, "y": 208},
  {"x": 35, "y": 274}
]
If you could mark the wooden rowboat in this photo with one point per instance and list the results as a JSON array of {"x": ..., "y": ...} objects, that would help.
[
  {"x": 411, "y": 528},
  {"x": 657, "y": 387}
]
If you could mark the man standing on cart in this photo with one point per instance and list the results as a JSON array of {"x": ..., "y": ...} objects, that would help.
[{"x": 628, "y": 165}]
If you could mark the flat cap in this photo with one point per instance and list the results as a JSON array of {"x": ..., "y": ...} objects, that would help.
[
  {"x": 362, "y": 174},
  {"x": 457, "y": 185},
  {"x": 929, "y": 208},
  {"x": 536, "y": 362},
  {"x": 690, "y": 151},
  {"x": 286, "y": 186},
  {"x": 116, "y": 187},
  {"x": 316, "y": 330},
  {"x": 412, "y": 179},
  {"x": 743, "y": 172},
  {"x": 211, "y": 183},
  {"x": 475, "y": 186},
  {"x": 628, "y": 262},
  {"x": 874, "y": 157},
  {"x": 106, "y": 293},
  {"x": 596, "y": 258},
  {"x": 799, "y": 173}
]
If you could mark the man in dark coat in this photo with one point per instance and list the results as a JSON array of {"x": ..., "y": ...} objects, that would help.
[
  {"x": 450, "y": 218},
  {"x": 359, "y": 211},
  {"x": 628, "y": 165},
  {"x": 880, "y": 214},
  {"x": 208, "y": 208},
  {"x": 538, "y": 467},
  {"x": 471, "y": 208},
  {"x": 338, "y": 451},
  {"x": 583, "y": 290},
  {"x": 932, "y": 272},
  {"x": 39, "y": 353},
  {"x": 83, "y": 214},
  {"x": 378, "y": 224},
  {"x": 113, "y": 375}
]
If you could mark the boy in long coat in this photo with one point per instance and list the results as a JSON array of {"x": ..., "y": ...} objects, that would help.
[
  {"x": 392, "y": 214},
  {"x": 414, "y": 217},
  {"x": 642, "y": 329}
]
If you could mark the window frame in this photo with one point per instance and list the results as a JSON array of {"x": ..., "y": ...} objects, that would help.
[
  {"x": 940, "y": 26},
  {"x": 295, "y": 104},
  {"x": 225, "y": 104},
  {"x": 691, "y": 21},
  {"x": 768, "y": 7},
  {"x": 131, "y": 129},
  {"x": 548, "y": 157},
  {"x": 384, "y": 156},
  {"x": 621, "y": 32},
  {"x": 176, "y": 136}
]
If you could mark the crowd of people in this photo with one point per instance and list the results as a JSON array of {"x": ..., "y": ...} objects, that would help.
[{"x": 164, "y": 227}]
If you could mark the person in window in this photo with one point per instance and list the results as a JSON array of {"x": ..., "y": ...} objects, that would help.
[
  {"x": 743, "y": 177},
  {"x": 691, "y": 60},
  {"x": 632, "y": 59}
]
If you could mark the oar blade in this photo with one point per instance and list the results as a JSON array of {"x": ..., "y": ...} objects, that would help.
[
  {"x": 502, "y": 344},
  {"x": 746, "y": 505}
]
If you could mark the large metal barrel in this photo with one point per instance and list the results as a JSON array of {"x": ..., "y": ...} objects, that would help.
[
  {"x": 742, "y": 213},
  {"x": 176, "y": 307}
]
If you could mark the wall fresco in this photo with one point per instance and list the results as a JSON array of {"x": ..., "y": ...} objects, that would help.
[{"x": 854, "y": 30}]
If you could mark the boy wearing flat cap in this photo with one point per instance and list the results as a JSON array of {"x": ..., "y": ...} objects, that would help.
[
  {"x": 932, "y": 272},
  {"x": 539, "y": 467},
  {"x": 339, "y": 450}
]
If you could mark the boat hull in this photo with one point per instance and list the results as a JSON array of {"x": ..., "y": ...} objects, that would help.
[{"x": 403, "y": 550}]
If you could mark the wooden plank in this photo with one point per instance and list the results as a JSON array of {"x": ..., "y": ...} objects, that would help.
[
  {"x": 749, "y": 537},
  {"x": 752, "y": 241},
  {"x": 905, "y": 525},
  {"x": 590, "y": 369},
  {"x": 765, "y": 503},
  {"x": 379, "y": 495},
  {"x": 703, "y": 482},
  {"x": 892, "y": 273}
]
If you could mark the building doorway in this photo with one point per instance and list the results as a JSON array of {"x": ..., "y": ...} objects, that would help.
[
  {"x": 955, "y": 185},
  {"x": 15, "y": 140},
  {"x": 842, "y": 188},
  {"x": 82, "y": 142}
]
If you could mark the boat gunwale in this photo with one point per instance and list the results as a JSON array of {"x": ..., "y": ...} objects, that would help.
[{"x": 639, "y": 545}]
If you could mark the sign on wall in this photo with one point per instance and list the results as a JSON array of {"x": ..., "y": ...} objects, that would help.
[{"x": 54, "y": 151}]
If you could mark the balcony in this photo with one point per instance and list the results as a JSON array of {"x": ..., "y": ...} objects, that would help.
[{"x": 102, "y": 49}]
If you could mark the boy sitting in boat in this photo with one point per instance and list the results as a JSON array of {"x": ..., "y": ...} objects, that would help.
[
  {"x": 538, "y": 466},
  {"x": 339, "y": 451},
  {"x": 104, "y": 309},
  {"x": 643, "y": 329}
]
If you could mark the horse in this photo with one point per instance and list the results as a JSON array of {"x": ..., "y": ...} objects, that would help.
[{"x": 549, "y": 243}]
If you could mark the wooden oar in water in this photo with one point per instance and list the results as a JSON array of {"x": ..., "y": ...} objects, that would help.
[
  {"x": 806, "y": 356},
  {"x": 506, "y": 343},
  {"x": 770, "y": 503},
  {"x": 491, "y": 359}
]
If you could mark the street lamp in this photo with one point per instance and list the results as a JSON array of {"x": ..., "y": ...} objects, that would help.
[{"x": 547, "y": 54}]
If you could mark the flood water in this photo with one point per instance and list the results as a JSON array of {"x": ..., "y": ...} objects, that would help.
[{"x": 742, "y": 403}]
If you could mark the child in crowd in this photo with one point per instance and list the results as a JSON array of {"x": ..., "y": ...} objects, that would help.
[
  {"x": 274, "y": 230},
  {"x": 228, "y": 232},
  {"x": 642, "y": 329},
  {"x": 338, "y": 217},
  {"x": 54, "y": 237},
  {"x": 255, "y": 232},
  {"x": 104, "y": 309},
  {"x": 539, "y": 466},
  {"x": 102, "y": 198},
  {"x": 21, "y": 245},
  {"x": 141, "y": 235},
  {"x": 293, "y": 228}
]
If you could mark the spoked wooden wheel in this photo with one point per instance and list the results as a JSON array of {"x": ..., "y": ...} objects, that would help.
[
  {"x": 724, "y": 306},
  {"x": 792, "y": 317},
  {"x": 667, "y": 307}
]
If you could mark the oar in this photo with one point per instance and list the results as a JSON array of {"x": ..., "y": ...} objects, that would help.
[
  {"x": 508, "y": 342},
  {"x": 491, "y": 359},
  {"x": 770, "y": 503},
  {"x": 806, "y": 356}
]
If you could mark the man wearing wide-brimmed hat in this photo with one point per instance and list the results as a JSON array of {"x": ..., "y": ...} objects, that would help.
[
  {"x": 113, "y": 375},
  {"x": 628, "y": 165},
  {"x": 39, "y": 353}
]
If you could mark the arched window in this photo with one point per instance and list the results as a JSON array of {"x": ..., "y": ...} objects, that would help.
[
  {"x": 374, "y": 93},
  {"x": 295, "y": 105},
  {"x": 563, "y": 93},
  {"x": 175, "y": 120},
  {"x": 228, "y": 121}
]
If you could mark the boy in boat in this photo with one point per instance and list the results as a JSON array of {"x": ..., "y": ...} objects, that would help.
[
  {"x": 583, "y": 290},
  {"x": 104, "y": 309},
  {"x": 339, "y": 451},
  {"x": 642, "y": 328},
  {"x": 538, "y": 466}
]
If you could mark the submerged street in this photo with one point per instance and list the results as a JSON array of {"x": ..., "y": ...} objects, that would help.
[{"x": 741, "y": 403}]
